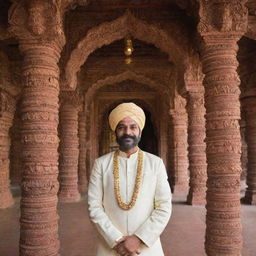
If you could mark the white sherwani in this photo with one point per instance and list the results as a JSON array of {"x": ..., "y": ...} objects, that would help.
[{"x": 146, "y": 219}]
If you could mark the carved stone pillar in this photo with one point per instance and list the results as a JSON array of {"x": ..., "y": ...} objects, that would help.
[
  {"x": 69, "y": 151},
  {"x": 220, "y": 27},
  {"x": 82, "y": 177},
  {"x": 196, "y": 146},
  {"x": 249, "y": 103},
  {"x": 179, "y": 122},
  {"x": 7, "y": 109},
  {"x": 38, "y": 26}
]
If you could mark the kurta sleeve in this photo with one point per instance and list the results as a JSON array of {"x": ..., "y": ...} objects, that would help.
[
  {"x": 151, "y": 229},
  {"x": 96, "y": 211}
]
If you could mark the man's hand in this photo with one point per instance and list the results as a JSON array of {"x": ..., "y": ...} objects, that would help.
[{"x": 128, "y": 246}]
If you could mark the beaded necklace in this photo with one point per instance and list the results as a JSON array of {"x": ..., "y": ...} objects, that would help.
[{"x": 121, "y": 204}]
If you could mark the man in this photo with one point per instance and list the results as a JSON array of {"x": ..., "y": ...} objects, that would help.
[{"x": 129, "y": 196}]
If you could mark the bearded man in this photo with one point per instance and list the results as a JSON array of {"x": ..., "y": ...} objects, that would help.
[{"x": 129, "y": 196}]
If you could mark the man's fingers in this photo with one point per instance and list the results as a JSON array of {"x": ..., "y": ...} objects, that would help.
[{"x": 121, "y": 239}]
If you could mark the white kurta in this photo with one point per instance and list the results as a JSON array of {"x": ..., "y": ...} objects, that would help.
[{"x": 151, "y": 212}]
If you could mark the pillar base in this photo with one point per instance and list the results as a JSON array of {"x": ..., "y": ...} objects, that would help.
[
  {"x": 6, "y": 200},
  {"x": 249, "y": 198},
  {"x": 67, "y": 197},
  {"x": 196, "y": 200}
]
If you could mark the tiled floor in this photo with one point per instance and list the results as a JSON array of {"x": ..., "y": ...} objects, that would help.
[{"x": 184, "y": 235}]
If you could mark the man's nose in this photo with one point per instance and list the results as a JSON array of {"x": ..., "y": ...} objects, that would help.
[{"x": 128, "y": 131}]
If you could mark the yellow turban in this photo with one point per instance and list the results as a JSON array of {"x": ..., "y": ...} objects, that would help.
[{"x": 127, "y": 110}]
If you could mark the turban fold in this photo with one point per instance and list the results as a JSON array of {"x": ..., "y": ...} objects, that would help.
[{"x": 127, "y": 110}]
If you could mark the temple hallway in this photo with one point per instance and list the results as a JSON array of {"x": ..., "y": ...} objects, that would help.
[{"x": 183, "y": 236}]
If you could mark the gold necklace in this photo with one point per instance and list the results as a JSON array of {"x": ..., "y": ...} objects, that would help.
[{"x": 121, "y": 204}]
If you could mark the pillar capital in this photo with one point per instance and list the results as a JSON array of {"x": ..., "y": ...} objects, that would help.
[
  {"x": 72, "y": 99},
  {"x": 222, "y": 18},
  {"x": 37, "y": 22}
]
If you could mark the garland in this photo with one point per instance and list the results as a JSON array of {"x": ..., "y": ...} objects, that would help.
[{"x": 121, "y": 204}]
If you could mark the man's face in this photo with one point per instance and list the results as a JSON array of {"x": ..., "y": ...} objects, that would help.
[{"x": 127, "y": 133}]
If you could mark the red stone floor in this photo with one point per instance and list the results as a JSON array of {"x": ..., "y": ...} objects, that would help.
[{"x": 184, "y": 235}]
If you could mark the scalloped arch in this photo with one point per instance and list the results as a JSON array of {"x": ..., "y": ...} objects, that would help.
[
  {"x": 109, "y": 32},
  {"x": 127, "y": 75}
]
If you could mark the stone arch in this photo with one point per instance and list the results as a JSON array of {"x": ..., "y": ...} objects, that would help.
[
  {"x": 127, "y": 75},
  {"x": 109, "y": 32}
]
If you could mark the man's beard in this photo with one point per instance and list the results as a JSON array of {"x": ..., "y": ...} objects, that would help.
[{"x": 127, "y": 145}]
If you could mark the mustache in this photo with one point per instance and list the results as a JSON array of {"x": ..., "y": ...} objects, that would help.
[{"x": 127, "y": 136}]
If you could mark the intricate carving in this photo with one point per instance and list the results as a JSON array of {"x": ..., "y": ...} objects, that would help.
[
  {"x": 82, "y": 177},
  {"x": 223, "y": 140},
  {"x": 179, "y": 120},
  {"x": 196, "y": 148},
  {"x": 222, "y": 16},
  {"x": 72, "y": 98},
  {"x": 108, "y": 32},
  {"x": 68, "y": 154},
  {"x": 37, "y": 20},
  {"x": 40, "y": 41},
  {"x": 127, "y": 75}
]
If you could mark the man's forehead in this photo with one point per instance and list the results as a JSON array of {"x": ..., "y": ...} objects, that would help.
[{"x": 127, "y": 121}]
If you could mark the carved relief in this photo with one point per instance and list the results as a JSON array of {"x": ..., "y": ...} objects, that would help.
[
  {"x": 82, "y": 177},
  {"x": 222, "y": 16},
  {"x": 127, "y": 75},
  {"x": 69, "y": 153},
  {"x": 221, "y": 83},
  {"x": 108, "y": 32},
  {"x": 38, "y": 20},
  {"x": 196, "y": 146},
  {"x": 179, "y": 121}
]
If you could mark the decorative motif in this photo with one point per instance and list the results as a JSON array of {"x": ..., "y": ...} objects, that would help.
[
  {"x": 222, "y": 16},
  {"x": 196, "y": 148},
  {"x": 223, "y": 141},
  {"x": 127, "y": 206},
  {"x": 37, "y": 20},
  {"x": 69, "y": 153},
  {"x": 117, "y": 29},
  {"x": 180, "y": 154},
  {"x": 82, "y": 177},
  {"x": 127, "y": 75}
]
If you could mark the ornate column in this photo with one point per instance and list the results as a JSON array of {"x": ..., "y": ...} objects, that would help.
[
  {"x": 69, "y": 151},
  {"x": 82, "y": 177},
  {"x": 249, "y": 106},
  {"x": 38, "y": 26},
  {"x": 221, "y": 25},
  {"x": 7, "y": 109},
  {"x": 196, "y": 144},
  {"x": 179, "y": 122}
]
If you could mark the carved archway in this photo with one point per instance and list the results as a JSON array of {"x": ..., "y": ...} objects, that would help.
[
  {"x": 109, "y": 32},
  {"x": 127, "y": 75}
]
